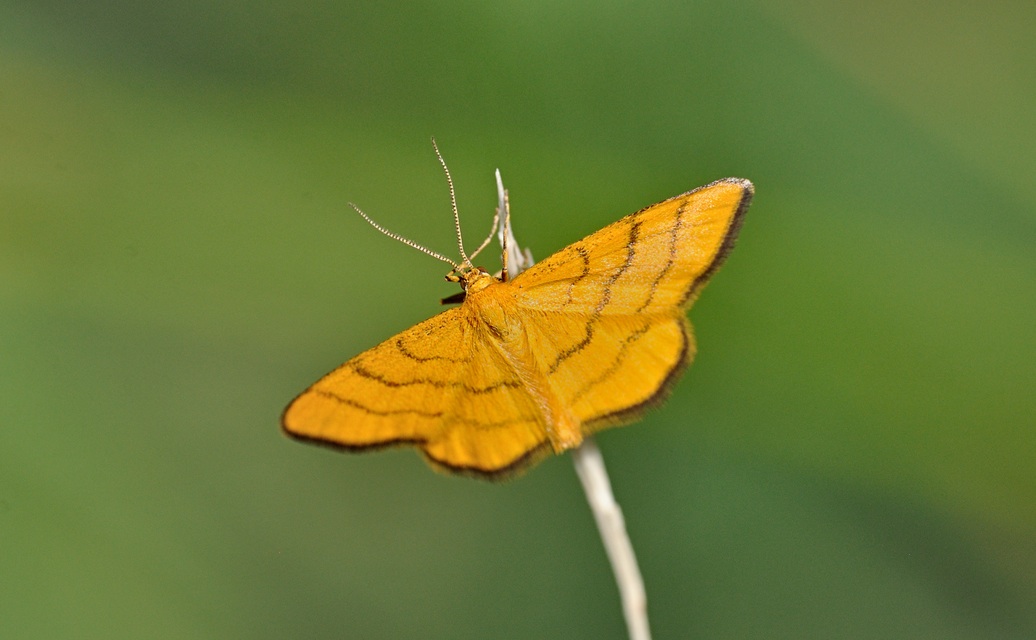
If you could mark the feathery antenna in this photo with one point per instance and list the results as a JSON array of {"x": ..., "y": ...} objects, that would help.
[
  {"x": 406, "y": 241},
  {"x": 453, "y": 203}
]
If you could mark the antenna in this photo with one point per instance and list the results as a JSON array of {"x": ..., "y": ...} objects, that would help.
[
  {"x": 406, "y": 241},
  {"x": 453, "y": 203}
]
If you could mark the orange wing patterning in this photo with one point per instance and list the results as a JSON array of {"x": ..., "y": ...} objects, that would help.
[{"x": 588, "y": 338}]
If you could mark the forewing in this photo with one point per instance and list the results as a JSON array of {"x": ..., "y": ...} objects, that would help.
[
  {"x": 649, "y": 261},
  {"x": 395, "y": 393},
  {"x": 439, "y": 386}
]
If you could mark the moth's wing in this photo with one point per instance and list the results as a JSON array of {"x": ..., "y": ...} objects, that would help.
[
  {"x": 624, "y": 365},
  {"x": 649, "y": 261},
  {"x": 395, "y": 393},
  {"x": 439, "y": 386},
  {"x": 607, "y": 320}
]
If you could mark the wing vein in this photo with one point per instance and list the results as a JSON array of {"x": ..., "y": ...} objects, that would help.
[
  {"x": 606, "y": 297},
  {"x": 376, "y": 412}
]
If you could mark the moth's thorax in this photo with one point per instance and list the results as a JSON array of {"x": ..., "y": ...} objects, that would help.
[{"x": 493, "y": 304}]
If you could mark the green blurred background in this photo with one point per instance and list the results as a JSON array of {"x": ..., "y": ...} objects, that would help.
[{"x": 851, "y": 456}]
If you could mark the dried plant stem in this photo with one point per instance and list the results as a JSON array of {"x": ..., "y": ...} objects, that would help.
[
  {"x": 590, "y": 467},
  {"x": 592, "y": 473}
]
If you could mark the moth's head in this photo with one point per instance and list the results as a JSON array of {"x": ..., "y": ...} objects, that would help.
[{"x": 470, "y": 276}]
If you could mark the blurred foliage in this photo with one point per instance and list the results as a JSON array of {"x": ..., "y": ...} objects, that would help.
[{"x": 851, "y": 456}]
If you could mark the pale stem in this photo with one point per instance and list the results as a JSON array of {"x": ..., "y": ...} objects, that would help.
[
  {"x": 590, "y": 467},
  {"x": 592, "y": 473},
  {"x": 516, "y": 260}
]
